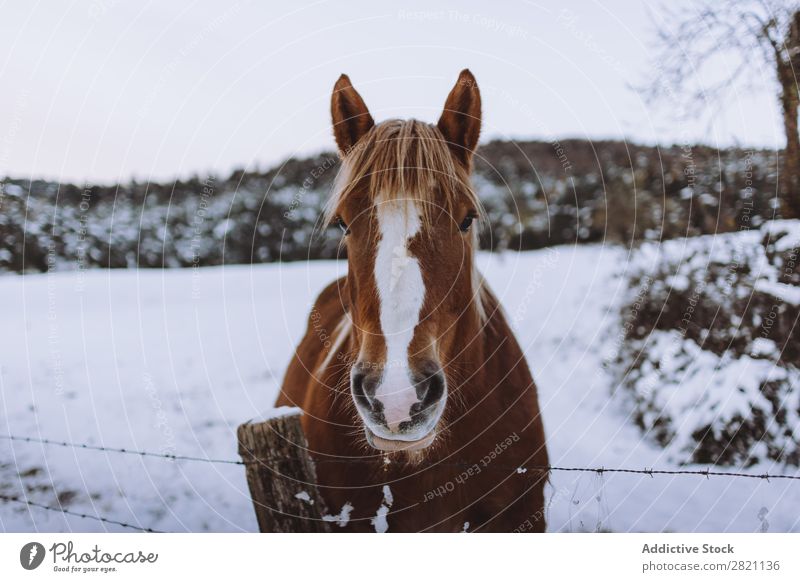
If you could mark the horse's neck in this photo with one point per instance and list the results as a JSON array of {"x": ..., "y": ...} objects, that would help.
[{"x": 488, "y": 351}]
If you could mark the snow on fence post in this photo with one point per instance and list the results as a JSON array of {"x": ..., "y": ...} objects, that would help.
[{"x": 281, "y": 474}]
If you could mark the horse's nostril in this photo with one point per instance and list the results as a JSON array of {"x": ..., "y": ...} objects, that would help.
[
  {"x": 430, "y": 390},
  {"x": 358, "y": 389},
  {"x": 364, "y": 387}
]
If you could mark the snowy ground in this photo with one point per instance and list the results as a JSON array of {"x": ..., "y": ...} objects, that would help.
[{"x": 173, "y": 361}]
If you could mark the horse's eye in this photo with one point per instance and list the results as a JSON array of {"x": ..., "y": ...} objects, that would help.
[
  {"x": 342, "y": 224},
  {"x": 467, "y": 222}
]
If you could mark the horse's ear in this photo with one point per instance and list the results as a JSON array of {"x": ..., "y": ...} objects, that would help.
[
  {"x": 460, "y": 122},
  {"x": 351, "y": 118}
]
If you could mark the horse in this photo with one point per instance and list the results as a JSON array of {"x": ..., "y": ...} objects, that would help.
[{"x": 419, "y": 408}]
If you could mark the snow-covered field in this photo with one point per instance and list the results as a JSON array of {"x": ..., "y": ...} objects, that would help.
[{"x": 173, "y": 361}]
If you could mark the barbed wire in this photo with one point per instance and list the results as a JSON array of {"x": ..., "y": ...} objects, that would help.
[
  {"x": 120, "y": 450},
  {"x": 598, "y": 470},
  {"x": 28, "y": 502},
  {"x": 176, "y": 457}
]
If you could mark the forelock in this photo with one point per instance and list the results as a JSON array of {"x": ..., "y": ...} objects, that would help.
[{"x": 404, "y": 160}]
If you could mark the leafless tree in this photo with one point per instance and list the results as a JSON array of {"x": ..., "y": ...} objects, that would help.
[{"x": 710, "y": 48}]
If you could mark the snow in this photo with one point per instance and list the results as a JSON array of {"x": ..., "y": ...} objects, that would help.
[
  {"x": 696, "y": 388},
  {"x": 343, "y": 518},
  {"x": 765, "y": 348},
  {"x": 380, "y": 521},
  {"x": 173, "y": 361},
  {"x": 13, "y": 190},
  {"x": 782, "y": 291},
  {"x": 304, "y": 496},
  {"x": 787, "y": 233},
  {"x": 735, "y": 396}
]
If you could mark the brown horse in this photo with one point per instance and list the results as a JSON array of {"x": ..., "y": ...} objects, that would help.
[{"x": 420, "y": 410}]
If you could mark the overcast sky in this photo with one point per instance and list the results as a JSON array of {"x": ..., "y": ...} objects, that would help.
[{"x": 106, "y": 90}]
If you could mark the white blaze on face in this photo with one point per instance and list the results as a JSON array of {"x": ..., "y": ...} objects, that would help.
[{"x": 401, "y": 292}]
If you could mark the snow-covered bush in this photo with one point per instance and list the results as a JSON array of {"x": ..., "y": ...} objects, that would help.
[{"x": 711, "y": 357}]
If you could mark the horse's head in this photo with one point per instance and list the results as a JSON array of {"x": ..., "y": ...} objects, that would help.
[{"x": 404, "y": 199}]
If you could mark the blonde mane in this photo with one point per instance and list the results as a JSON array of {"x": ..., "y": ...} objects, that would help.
[{"x": 404, "y": 159}]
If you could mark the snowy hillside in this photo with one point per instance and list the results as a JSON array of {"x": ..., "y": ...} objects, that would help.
[
  {"x": 172, "y": 361},
  {"x": 537, "y": 194}
]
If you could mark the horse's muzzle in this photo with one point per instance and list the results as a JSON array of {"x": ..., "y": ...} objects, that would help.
[{"x": 400, "y": 409}]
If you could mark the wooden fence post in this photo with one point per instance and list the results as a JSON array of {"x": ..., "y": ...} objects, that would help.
[{"x": 281, "y": 474}]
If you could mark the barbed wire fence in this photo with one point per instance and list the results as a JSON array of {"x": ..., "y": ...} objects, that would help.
[
  {"x": 29, "y": 503},
  {"x": 651, "y": 472}
]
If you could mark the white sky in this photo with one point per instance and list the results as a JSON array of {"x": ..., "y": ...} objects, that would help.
[{"x": 106, "y": 90}]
